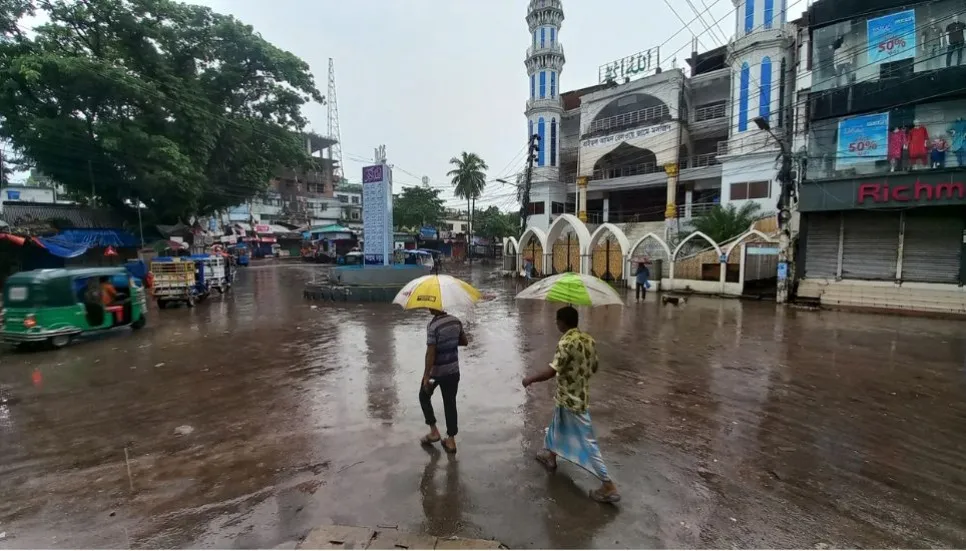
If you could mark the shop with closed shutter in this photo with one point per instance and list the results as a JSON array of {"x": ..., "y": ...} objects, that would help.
[{"x": 923, "y": 245}]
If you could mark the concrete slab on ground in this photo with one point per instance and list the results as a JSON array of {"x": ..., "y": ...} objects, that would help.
[
  {"x": 356, "y": 537},
  {"x": 338, "y": 537}
]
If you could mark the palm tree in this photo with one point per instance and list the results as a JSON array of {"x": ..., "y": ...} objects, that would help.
[
  {"x": 469, "y": 180},
  {"x": 723, "y": 223}
]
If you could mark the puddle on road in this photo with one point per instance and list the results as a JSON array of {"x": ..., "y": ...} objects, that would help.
[{"x": 719, "y": 419}]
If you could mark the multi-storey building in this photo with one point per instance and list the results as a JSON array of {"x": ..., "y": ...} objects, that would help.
[
  {"x": 350, "y": 199},
  {"x": 660, "y": 146},
  {"x": 883, "y": 201},
  {"x": 297, "y": 197}
]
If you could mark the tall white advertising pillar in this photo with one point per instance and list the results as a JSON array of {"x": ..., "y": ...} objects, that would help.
[{"x": 377, "y": 211}]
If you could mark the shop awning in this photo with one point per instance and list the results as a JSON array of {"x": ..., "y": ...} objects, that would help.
[{"x": 331, "y": 228}]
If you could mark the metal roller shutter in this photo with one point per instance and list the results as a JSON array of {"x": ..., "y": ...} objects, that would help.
[
  {"x": 871, "y": 246},
  {"x": 822, "y": 244},
  {"x": 931, "y": 247}
]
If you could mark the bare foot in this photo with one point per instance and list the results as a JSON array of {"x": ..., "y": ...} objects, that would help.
[
  {"x": 607, "y": 493},
  {"x": 548, "y": 459}
]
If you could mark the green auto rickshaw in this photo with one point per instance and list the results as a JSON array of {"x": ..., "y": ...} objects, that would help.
[{"x": 54, "y": 306}]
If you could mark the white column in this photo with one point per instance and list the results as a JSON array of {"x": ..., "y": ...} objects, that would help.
[
  {"x": 606, "y": 208},
  {"x": 688, "y": 195}
]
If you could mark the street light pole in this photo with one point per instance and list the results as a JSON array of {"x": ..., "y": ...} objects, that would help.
[{"x": 785, "y": 178}]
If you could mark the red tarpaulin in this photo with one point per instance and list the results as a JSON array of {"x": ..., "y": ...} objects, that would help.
[{"x": 15, "y": 239}]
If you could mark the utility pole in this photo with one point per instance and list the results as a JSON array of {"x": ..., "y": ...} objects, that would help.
[
  {"x": 785, "y": 254},
  {"x": 534, "y": 147},
  {"x": 787, "y": 181}
]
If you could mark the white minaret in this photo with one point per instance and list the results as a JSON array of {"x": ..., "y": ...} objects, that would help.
[
  {"x": 756, "y": 54},
  {"x": 544, "y": 62}
]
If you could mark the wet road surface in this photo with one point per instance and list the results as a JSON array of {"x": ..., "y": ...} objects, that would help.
[{"x": 251, "y": 419}]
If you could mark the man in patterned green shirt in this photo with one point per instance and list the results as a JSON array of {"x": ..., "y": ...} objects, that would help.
[{"x": 571, "y": 434}]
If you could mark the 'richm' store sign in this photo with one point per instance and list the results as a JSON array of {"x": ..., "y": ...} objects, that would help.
[{"x": 892, "y": 191}]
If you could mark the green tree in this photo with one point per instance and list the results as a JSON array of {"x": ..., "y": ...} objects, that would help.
[
  {"x": 416, "y": 207},
  {"x": 187, "y": 109},
  {"x": 469, "y": 179},
  {"x": 494, "y": 224},
  {"x": 724, "y": 223}
]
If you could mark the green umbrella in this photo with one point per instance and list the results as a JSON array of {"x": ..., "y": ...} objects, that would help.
[{"x": 572, "y": 288}]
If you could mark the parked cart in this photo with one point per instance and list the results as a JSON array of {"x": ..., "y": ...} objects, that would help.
[{"x": 175, "y": 280}]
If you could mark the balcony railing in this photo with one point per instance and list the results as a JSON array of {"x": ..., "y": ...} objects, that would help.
[
  {"x": 711, "y": 112},
  {"x": 624, "y": 171},
  {"x": 540, "y": 103},
  {"x": 699, "y": 161},
  {"x": 640, "y": 117},
  {"x": 697, "y": 209},
  {"x": 547, "y": 49}
]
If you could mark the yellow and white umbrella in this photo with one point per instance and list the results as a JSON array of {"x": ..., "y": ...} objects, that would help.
[{"x": 437, "y": 292}]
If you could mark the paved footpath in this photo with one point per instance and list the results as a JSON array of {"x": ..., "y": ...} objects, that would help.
[{"x": 356, "y": 537}]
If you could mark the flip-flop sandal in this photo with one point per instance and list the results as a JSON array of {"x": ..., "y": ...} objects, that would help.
[
  {"x": 601, "y": 497},
  {"x": 448, "y": 448},
  {"x": 545, "y": 461},
  {"x": 428, "y": 440}
]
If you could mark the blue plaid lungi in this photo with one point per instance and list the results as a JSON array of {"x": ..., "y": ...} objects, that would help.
[{"x": 571, "y": 437}]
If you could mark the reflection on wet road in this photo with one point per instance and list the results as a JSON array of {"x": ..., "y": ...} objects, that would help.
[{"x": 725, "y": 424}]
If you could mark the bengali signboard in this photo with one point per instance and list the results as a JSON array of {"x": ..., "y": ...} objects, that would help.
[
  {"x": 612, "y": 139},
  {"x": 892, "y": 37},
  {"x": 377, "y": 214},
  {"x": 862, "y": 140}
]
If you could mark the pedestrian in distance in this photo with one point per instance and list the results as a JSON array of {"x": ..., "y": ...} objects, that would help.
[
  {"x": 643, "y": 275},
  {"x": 444, "y": 336},
  {"x": 571, "y": 434}
]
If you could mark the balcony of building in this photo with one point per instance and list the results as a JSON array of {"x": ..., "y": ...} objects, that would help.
[
  {"x": 781, "y": 34},
  {"x": 650, "y": 205},
  {"x": 544, "y": 103},
  {"x": 651, "y": 174},
  {"x": 547, "y": 48},
  {"x": 749, "y": 142},
  {"x": 710, "y": 119},
  {"x": 625, "y": 121}
]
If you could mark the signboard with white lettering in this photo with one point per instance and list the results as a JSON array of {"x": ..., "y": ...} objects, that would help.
[
  {"x": 377, "y": 214},
  {"x": 618, "y": 137},
  {"x": 631, "y": 66},
  {"x": 657, "y": 138}
]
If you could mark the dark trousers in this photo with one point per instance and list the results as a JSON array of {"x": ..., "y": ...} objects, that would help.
[
  {"x": 958, "y": 49},
  {"x": 641, "y": 291},
  {"x": 448, "y": 384}
]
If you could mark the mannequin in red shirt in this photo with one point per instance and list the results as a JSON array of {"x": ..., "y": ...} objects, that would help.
[
  {"x": 898, "y": 142},
  {"x": 918, "y": 145}
]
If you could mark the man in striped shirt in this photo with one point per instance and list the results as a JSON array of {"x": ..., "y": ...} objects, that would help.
[{"x": 444, "y": 336}]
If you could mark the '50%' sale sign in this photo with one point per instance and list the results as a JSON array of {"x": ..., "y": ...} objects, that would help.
[{"x": 862, "y": 139}]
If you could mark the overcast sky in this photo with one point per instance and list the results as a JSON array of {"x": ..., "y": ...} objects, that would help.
[{"x": 431, "y": 78}]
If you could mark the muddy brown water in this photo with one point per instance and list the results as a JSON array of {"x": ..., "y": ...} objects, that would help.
[{"x": 251, "y": 419}]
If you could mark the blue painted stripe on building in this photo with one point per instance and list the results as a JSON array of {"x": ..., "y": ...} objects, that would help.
[
  {"x": 764, "y": 97},
  {"x": 541, "y": 130},
  {"x": 743, "y": 85}
]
